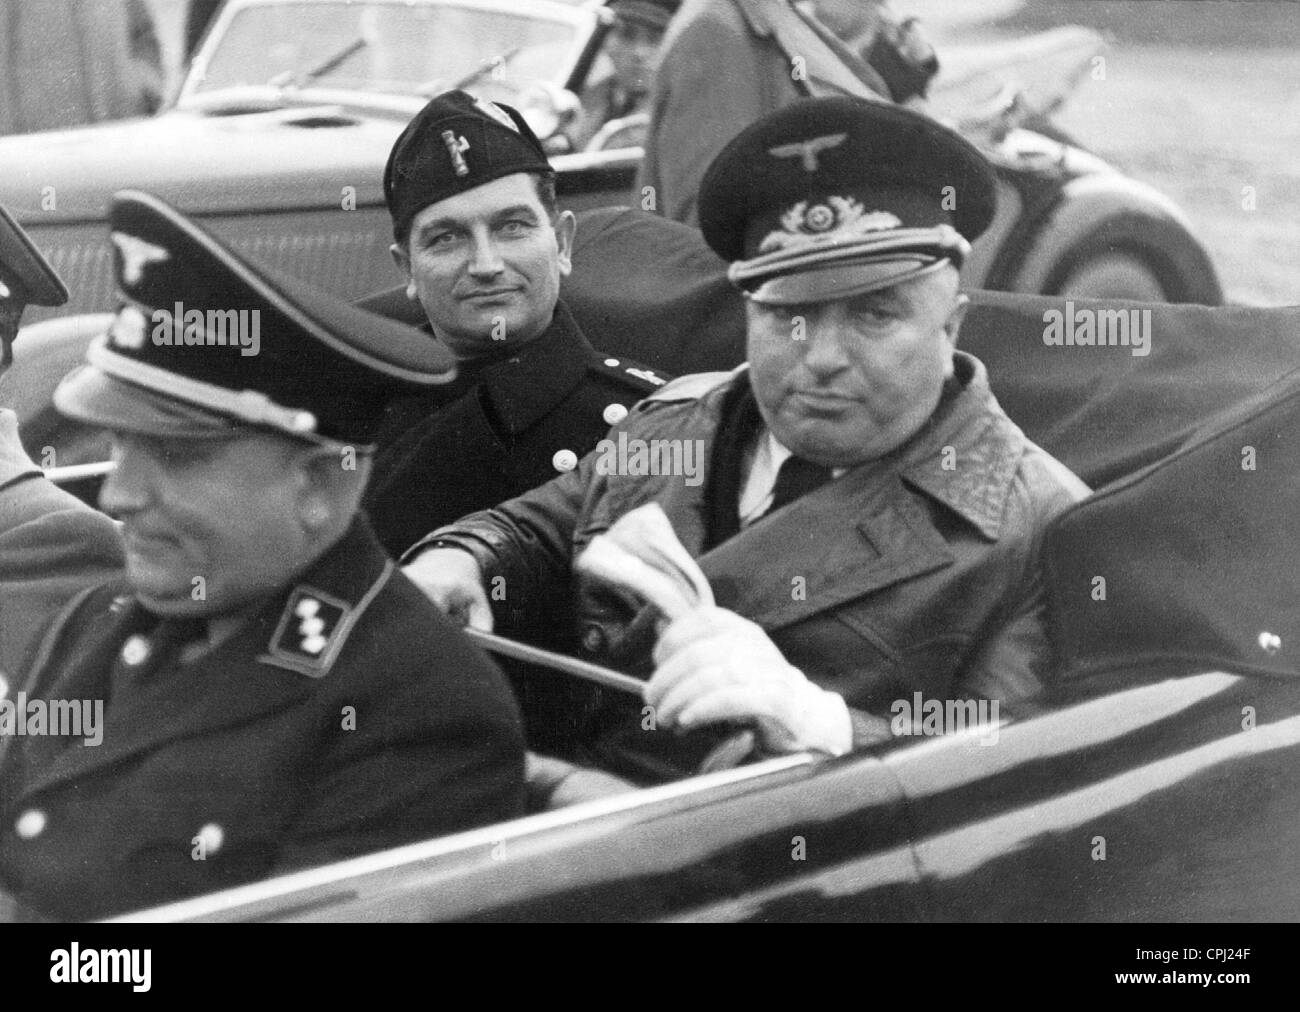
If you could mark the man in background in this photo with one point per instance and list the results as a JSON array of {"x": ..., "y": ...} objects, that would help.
[{"x": 51, "y": 543}]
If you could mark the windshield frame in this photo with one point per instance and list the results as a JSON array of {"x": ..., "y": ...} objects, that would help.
[{"x": 193, "y": 96}]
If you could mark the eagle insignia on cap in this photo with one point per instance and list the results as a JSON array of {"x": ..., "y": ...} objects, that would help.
[
  {"x": 136, "y": 255},
  {"x": 837, "y": 219},
  {"x": 807, "y": 151},
  {"x": 456, "y": 147}
]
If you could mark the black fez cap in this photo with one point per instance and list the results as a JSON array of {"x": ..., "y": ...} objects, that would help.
[
  {"x": 648, "y": 13},
  {"x": 831, "y": 197},
  {"x": 455, "y": 143},
  {"x": 205, "y": 342},
  {"x": 25, "y": 276}
]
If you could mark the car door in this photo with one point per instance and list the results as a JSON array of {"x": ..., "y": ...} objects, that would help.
[
  {"x": 1136, "y": 798},
  {"x": 789, "y": 838}
]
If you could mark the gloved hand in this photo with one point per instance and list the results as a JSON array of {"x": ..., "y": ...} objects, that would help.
[{"x": 713, "y": 665}]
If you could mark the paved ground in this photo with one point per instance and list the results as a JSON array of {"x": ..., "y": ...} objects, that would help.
[{"x": 1201, "y": 100}]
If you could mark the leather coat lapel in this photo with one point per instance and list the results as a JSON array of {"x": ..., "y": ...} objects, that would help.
[{"x": 856, "y": 535}]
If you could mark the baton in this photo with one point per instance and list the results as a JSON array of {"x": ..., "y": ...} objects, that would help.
[{"x": 558, "y": 662}]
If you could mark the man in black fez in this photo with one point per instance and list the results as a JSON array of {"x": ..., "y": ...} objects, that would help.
[
  {"x": 870, "y": 519},
  {"x": 262, "y": 690},
  {"x": 483, "y": 247},
  {"x": 51, "y": 543}
]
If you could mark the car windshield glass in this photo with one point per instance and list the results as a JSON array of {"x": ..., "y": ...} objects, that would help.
[{"x": 399, "y": 49}]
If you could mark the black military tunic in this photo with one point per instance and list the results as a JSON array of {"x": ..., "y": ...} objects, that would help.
[
  {"x": 499, "y": 431},
  {"x": 345, "y": 716}
]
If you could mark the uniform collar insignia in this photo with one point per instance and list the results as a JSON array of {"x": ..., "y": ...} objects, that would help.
[
  {"x": 136, "y": 255},
  {"x": 314, "y": 626},
  {"x": 837, "y": 219},
  {"x": 807, "y": 151}
]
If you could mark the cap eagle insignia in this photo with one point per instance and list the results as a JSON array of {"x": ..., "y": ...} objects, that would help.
[
  {"x": 807, "y": 151},
  {"x": 136, "y": 255}
]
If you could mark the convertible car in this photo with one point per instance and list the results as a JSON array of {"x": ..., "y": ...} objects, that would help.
[
  {"x": 278, "y": 137},
  {"x": 1156, "y": 780}
]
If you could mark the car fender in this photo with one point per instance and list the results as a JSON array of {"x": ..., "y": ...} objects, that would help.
[{"x": 1104, "y": 211}]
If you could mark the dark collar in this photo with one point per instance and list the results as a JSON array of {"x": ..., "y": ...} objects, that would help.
[
  {"x": 986, "y": 447},
  {"x": 304, "y": 625},
  {"x": 530, "y": 383}
]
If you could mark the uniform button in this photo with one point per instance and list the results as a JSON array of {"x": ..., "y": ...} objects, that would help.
[
  {"x": 593, "y": 639},
  {"x": 614, "y": 413},
  {"x": 135, "y": 650},
  {"x": 30, "y": 824},
  {"x": 611, "y": 362},
  {"x": 564, "y": 460},
  {"x": 211, "y": 837}
]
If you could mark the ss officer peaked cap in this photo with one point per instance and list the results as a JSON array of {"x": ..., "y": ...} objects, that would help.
[
  {"x": 453, "y": 144},
  {"x": 204, "y": 342},
  {"x": 832, "y": 197}
]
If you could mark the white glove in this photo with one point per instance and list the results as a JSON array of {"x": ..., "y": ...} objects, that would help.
[{"x": 714, "y": 665}]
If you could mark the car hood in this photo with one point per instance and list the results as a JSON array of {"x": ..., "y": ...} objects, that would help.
[{"x": 245, "y": 162}]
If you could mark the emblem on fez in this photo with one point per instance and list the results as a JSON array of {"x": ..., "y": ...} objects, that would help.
[
  {"x": 836, "y": 220},
  {"x": 456, "y": 148}
]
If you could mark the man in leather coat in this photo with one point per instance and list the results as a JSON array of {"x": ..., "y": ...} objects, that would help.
[{"x": 870, "y": 519}]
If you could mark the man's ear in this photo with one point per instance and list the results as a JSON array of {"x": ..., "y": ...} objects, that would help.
[
  {"x": 402, "y": 257},
  {"x": 333, "y": 478},
  {"x": 566, "y": 227},
  {"x": 952, "y": 325}
]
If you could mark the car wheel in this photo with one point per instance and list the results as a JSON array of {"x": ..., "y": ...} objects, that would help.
[{"x": 1113, "y": 276}]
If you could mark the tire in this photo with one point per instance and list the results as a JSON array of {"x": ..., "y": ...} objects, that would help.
[{"x": 1113, "y": 275}]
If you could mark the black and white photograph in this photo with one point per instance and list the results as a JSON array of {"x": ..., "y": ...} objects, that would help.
[{"x": 592, "y": 461}]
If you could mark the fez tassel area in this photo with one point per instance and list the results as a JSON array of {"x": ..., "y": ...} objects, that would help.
[
  {"x": 1125, "y": 328},
  {"x": 75, "y": 965},
  {"x": 61, "y": 718}
]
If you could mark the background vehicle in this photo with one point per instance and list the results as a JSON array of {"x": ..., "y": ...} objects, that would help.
[{"x": 278, "y": 138}]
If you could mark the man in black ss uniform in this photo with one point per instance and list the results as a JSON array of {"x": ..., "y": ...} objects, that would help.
[{"x": 262, "y": 689}]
